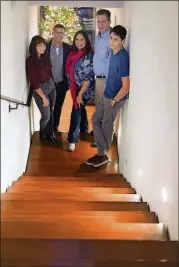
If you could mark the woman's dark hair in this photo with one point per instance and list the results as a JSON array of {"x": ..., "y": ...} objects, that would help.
[
  {"x": 88, "y": 43},
  {"x": 120, "y": 31},
  {"x": 44, "y": 58}
]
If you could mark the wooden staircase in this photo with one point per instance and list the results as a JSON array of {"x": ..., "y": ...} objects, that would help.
[{"x": 79, "y": 217}]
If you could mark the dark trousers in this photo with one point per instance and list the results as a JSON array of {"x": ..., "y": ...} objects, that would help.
[
  {"x": 79, "y": 122},
  {"x": 84, "y": 121},
  {"x": 46, "y": 121},
  {"x": 60, "y": 97}
]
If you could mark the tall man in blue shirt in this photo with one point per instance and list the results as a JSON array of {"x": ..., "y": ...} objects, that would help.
[
  {"x": 101, "y": 51},
  {"x": 114, "y": 97}
]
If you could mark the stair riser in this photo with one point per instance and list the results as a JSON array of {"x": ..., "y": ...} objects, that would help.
[
  {"x": 86, "y": 263},
  {"x": 32, "y": 251}
]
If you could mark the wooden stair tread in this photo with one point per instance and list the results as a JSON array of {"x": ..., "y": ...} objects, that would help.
[
  {"x": 76, "y": 183},
  {"x": 94, "y": 228},
  {"x": 120, "y": 216},
  {"x": 89, "y": 184},
  {"x": 108, "y": 177},
  {"x": 37, "y": 167},
  {"x": 55, "y": 196},
  {"x": 58, "y": 205},
  {"x": 98, "y": 251},
  {"x": 76, "y": 189},
  {"x": 84, "y": 197},
  {"x": 91, "y": 178},
  {"x": 89, "y": 214}
]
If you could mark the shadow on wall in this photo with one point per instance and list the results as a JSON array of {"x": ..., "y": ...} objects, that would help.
[
  {"x": 119, "y": 119},
  {"x": 127, "y": 42}
]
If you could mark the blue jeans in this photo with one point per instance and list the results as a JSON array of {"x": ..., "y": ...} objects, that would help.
[{"x": 79, "y": 122}]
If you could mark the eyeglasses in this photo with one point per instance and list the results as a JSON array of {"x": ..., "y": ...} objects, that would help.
[{"x": 59, "y": 33}]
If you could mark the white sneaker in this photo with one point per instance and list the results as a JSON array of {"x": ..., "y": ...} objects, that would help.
[{"x": 71, "y": 147}]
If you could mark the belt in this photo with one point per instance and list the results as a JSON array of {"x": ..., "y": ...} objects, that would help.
[{"x": 101, "y": 77}]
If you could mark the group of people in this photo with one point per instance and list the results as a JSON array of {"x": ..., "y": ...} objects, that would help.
[{"x": 103, "y": 72}]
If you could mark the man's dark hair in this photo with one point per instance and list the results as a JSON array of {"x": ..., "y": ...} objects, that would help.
[
  {"x": 104, "y": 12},
  {"x": 60, "y": 26},
  {"x": 120, "y": 31}
]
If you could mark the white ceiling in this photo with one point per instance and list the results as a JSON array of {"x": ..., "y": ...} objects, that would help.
[{"x": 100, "y": 4}]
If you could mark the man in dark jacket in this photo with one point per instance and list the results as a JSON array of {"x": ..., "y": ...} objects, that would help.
[{"x": 58, "y": 51}]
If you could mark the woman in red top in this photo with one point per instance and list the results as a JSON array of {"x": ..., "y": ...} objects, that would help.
[{"x": 38, "y": 67}]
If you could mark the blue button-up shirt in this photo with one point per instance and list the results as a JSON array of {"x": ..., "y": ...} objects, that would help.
[{"x": 101, "y": 55}]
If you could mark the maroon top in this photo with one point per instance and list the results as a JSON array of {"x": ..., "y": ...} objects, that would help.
[{"x": 37, "y": 74}]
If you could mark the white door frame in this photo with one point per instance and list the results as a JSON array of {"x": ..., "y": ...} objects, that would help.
[{"x": 117, "y": 4}]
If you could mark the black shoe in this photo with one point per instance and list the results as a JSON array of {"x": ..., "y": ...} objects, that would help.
[
  {"x": 93, "y": 144},
  {"x": 53, "y": 134},
  {"x": 101, "y": 160},
  {"x": 44, "y": 137},
  {"x": 53, "y": 139},
  {"x": 98, "y": 160}
]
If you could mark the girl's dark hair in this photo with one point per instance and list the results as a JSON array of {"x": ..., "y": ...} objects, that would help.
[
  {"x": 88, "y": 43},
  {"x": 120, "y": 31},
  {"x": 44, "y": 58}
]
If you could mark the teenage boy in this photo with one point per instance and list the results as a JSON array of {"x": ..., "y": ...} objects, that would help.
[{"x": 114, "y": 97}]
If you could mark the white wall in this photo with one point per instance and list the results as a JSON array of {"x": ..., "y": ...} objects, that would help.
[
  {"x": 14, "y": 25},
  {"x": 149, "y": 141},
  {"x": 15, "y": 142},
  {"x": 15, "y": 126},
  {"x": 116, "y": 16}
]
